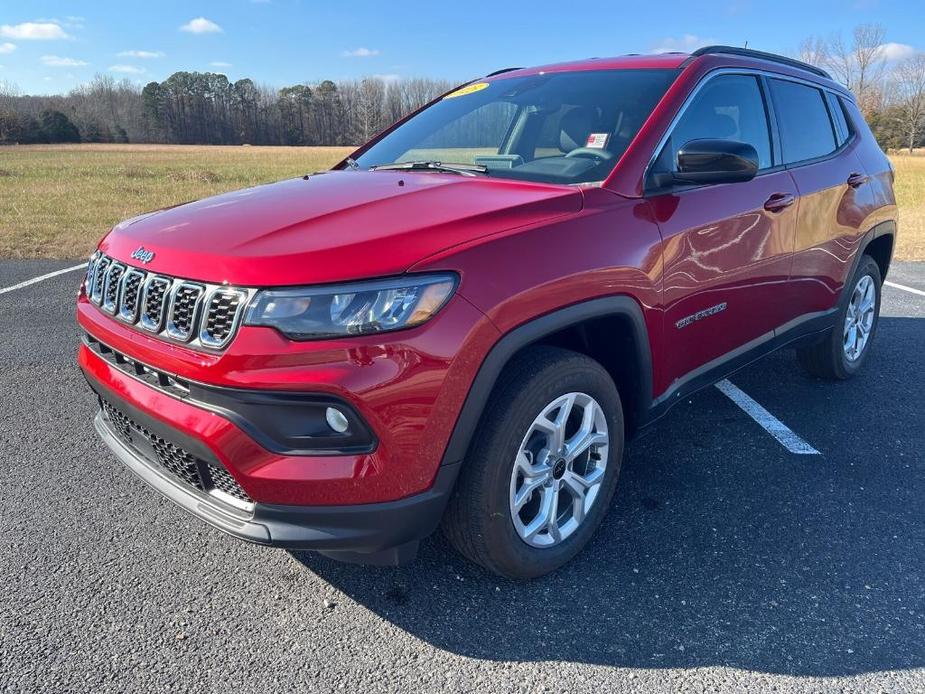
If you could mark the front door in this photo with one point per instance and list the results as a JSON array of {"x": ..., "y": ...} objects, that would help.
[{"x": 727, "y": 248}]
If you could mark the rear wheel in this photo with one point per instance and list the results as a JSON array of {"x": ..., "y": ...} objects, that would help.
[
  {"x": 842, "y": 353},
  {"x": 542, "y": 468}
]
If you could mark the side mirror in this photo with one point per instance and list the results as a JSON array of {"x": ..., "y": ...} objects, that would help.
[{"x": 716, "y": 161}]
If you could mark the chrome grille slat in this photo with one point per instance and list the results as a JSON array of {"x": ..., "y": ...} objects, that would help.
[
  {"x": 198, "y": 314},
  {"x": 99, "y": 280},
  {"x": 183, "y": 312},
  {"x": 130, "y": 294},
  {"x": 221, "y": 315},
  {"x": 154, "y": 303},
  {"x": 111, "y": 287}
]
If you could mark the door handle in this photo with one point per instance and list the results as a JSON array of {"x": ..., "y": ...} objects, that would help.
[
  {"x": 856, "y": 180},
  {"x": 779, "y": 202}
]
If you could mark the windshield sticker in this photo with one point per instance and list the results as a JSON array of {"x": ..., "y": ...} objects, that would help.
[
  {"x": 468, "y": 89},
  {"x": 597, "y": 140}
]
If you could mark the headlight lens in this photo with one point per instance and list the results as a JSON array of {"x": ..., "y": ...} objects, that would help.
[{"x": 312, "y": 313}]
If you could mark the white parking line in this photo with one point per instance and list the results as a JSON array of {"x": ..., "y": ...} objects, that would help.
[
  {"x": 905, "y": 288},
  {"x": 771, "y": 424},
  {"x": 42, "y": 277}
]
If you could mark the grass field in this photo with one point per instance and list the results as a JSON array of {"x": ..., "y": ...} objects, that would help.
[
  {"x": 56, "y": 201},
  {"x": 910, "y": 195}
]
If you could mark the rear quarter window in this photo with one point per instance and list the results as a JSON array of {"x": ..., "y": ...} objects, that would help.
[{"x": 806, "y": 130}]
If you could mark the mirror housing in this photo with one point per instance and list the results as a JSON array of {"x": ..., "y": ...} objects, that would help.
[{"x": 702, "y": 162}]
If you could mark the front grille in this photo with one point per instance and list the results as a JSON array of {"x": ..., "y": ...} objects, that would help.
[
  {"x": 199, "y": 314},
  {"x": 206, "y": 477},
  {"x": 163, "y": 381},
  {"x": 222, "y": 481}
]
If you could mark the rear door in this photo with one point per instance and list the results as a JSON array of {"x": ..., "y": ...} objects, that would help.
[
  {"x": 818, "y": 148},
  {"x": 727, "y": 248}
]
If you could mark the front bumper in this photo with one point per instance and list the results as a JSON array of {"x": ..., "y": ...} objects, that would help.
[{"x": 381, "y": 533}]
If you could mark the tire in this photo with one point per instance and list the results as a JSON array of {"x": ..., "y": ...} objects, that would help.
[
  {"x": 480, "y": 518},
  {"x": 835, "y": 357}
]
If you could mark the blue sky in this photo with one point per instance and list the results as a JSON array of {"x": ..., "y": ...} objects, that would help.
[{"x": 50, "y": 47}]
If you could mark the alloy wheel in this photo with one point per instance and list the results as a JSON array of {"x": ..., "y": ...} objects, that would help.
[
  {"x": 859, "y": 320},
  {"x": 558, "y": 470}
]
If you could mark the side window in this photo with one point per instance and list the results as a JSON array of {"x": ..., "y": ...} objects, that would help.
[
  {"x": 806, "y": 131},
  {"x": 842, "y": 128},
  {"x": 728, "y": 107}
]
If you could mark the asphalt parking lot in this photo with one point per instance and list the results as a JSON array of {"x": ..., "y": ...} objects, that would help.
[{"x": 726, "y": 564}]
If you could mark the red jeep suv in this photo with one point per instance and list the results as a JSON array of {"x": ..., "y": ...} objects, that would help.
[{"x": 462, "y": 323}]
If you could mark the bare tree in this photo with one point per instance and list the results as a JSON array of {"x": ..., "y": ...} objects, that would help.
[
  {"x": 814, "y": 50},
  {"x": 859, "y": 64},
  {"x": 909, "y": 92}
]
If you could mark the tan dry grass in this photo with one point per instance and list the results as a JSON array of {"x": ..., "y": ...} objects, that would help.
[
  {"x": 56, "y": 201},
  {"x": 910, "y": 196}
]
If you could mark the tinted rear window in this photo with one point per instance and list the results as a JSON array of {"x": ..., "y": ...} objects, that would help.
[
  {"x": 842, "y": 128},
  {"x": 805, "y": 127}
]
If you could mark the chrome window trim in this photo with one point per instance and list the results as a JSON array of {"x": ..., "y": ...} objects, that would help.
[
  {"x": 171, "y": 329},
  {"x": 132, "y": 315},
  {"x": 769, "y": 74},
  {"x": 112, "y": 306},
  {"x": 204, "y": 337}
]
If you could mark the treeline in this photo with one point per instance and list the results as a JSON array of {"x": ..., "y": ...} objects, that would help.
[
  {"x": 207, "y": 108},
  {"x": 888, "y": 81}
]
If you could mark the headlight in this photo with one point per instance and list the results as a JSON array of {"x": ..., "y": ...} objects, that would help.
[{"x": 312, "y": 313}]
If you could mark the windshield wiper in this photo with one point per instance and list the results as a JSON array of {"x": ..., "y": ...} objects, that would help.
[
  {"x": 462, "y": 169},
  {"x": 351, "y": 163}
]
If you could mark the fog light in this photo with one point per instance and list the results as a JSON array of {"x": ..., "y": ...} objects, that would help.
[{"x": 336, "y": 420}]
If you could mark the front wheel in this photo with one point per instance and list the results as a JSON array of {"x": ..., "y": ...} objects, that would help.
[
  {"x": 543, "y": 466},
  {"x": 842, "y": 353}
]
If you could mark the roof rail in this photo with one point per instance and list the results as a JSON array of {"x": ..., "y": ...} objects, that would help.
[
  {"x": 502, "y": 70},
  {"x": 761, "y": 55}
]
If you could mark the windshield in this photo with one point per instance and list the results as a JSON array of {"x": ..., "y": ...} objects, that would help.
[{"x": 568, "y": 127}]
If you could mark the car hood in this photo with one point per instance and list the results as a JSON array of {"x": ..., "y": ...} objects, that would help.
[{"x": 330, "y": 227}]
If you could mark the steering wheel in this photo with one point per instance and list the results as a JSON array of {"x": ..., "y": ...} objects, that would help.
[{"x": 588, "y": 152}]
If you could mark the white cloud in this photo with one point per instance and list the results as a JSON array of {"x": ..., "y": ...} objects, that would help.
[
  {"x": 896, "y": 51},
  {"x": 201, "y": 25},
  {"x": 360, "y": 53},
  {"x": 7, "y": 47},
  {"x": 390, "y": 77},
  {"x": 219, "y": 63},
  {"x": 28, "y": 31},
  {"x": 58, "y": 61},
  {"x": 684, "y": 44},
  {"x": 141, "y": 54},
  {"x": 127, "y": 69}
]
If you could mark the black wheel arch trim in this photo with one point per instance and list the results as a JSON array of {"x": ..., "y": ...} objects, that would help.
[
  {"x": 887, "y": 228},
  {"x": 532, "y": 332}
]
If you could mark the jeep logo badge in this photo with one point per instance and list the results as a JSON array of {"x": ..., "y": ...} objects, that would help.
[{"x": 143, "y": 254}]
